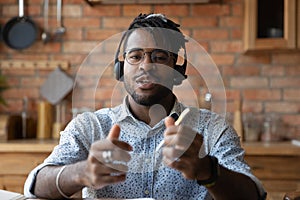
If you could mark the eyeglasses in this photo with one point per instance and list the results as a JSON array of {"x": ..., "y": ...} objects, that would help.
[{"x": 137, "y": 56}]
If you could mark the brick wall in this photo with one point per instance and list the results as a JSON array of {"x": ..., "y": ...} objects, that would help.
[{"x": 266, "y": 82}]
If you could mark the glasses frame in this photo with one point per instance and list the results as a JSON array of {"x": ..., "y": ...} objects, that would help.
[{"x": 170, "y": 55}]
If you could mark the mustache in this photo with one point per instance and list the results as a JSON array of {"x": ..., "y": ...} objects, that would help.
[{"x": 148, "y": 74}]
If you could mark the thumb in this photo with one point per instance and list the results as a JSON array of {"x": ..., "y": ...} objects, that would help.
[
  {"x": 114, "y": 132},
  {"x": 169, "y": 121}
]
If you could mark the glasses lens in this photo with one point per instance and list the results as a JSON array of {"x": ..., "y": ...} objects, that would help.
[
  {"x": 136, "y": 56},
  {"x": 160, "y": 56}
]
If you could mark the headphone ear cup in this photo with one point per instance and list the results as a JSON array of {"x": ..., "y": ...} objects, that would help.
[
  {"x": 119, "y": 70},
  {"x": 179, "y": 77}
]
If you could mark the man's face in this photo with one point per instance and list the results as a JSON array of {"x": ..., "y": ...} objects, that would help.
[{"x": 148, "y": 69}]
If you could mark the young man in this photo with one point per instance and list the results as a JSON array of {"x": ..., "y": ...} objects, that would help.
[{"x": 113, "y": 152}]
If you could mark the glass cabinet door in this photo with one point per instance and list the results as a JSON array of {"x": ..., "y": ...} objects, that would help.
[
  {"x": 270, "y": 19},
  {"x": 270, "y": 24}
]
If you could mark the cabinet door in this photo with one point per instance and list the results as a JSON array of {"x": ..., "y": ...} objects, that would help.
[
  {"x": 20, "y": 163},
  {"x": 278, "y": 174},
  {"x": 277, "y": 32},
  {"x": 13, "y": 183},
  {"x": 275, "y": 167},
  {"x": 298, "y": 24},
  {"x": 15, "y": 167}
]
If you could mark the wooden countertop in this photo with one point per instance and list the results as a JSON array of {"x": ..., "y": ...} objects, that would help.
[
  {"x": 28, "y": 146},
  {"x": 253, "y": 148},
  {"x": 271, "y": 149}
]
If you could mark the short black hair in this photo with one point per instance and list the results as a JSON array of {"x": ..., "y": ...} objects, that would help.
[{"x": 174, "y": 38}]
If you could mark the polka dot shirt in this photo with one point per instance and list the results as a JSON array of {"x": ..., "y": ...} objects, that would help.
[{"x": 148, "y": 177}]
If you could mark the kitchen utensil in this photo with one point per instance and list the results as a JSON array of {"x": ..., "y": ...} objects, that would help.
[
  {"x": 24, "y": 117},
  {"x": 57, "y": 125},
  {"x": 63, "y": 112},
  {"x": 45, "y": 118},
  {"x": 1, "y": 32},
  {"x": 237, "y": 119},
  {"x": 60, "y": 30},
  {"x": 57, "y": 86},
  {"x": 46, "y": 34},
  {"x": 28, "y": 123},
  {"x": 19, "y": 32},
  {"x": 10, "y": 127}
]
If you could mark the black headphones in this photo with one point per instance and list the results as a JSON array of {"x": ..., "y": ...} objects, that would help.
[{"x": 119, "y": 66}]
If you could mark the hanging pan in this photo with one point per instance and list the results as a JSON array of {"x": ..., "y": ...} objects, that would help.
[{"x": 19, "y": 32}]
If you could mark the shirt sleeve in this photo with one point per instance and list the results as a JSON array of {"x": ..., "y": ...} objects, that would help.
[
  {"x": 73, "y": 146},
  {"x": 228, "y": 150},
  {"x": 31, "y": 179}
]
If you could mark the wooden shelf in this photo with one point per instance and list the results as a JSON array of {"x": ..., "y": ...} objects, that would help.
[
  {"x": 102, "y": 2},
  {"x": 39, "y": 64}
]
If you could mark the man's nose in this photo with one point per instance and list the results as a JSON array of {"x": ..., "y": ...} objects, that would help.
[{"x": 147, "y": 63}]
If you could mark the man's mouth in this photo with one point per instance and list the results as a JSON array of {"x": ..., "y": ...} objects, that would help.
[{"x": 145, "y": 83}]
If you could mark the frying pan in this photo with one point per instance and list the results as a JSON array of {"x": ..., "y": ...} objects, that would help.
[{"x": 19, "y": 32}]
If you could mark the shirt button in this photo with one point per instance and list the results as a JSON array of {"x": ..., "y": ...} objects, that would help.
[
  {"x": 148, "y": 160},
  {"x": 146, "y": 192}
]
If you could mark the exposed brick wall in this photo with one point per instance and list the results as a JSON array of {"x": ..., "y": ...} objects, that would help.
[{"x": 267, "y": 83}]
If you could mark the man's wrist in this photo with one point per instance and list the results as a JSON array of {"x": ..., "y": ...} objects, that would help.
[
  {"x": 57, "y": 184},
  {"x": 80, "y": 179},
  {"x": 215, "y": 173}
]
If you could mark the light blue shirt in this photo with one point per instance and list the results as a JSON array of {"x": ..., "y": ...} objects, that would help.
[{"x": 148, "y": 177}]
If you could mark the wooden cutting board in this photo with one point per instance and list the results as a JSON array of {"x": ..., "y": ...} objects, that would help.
[{"x": 57, "y": 86}]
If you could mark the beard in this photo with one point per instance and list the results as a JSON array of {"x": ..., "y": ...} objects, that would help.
[{"x": 148, "y": 100}]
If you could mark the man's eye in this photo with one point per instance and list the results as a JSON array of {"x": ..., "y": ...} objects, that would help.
[
  {"x": 135, "y": 57},
  {"x": 162, "y": 58}
]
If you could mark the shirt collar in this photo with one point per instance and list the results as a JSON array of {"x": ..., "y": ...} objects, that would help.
[{"x": 124, "y": 111}]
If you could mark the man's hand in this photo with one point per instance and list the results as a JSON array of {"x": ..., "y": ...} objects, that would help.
[
  {"x": 99, "y": 172},
  {"x": 181, "y": 151}
]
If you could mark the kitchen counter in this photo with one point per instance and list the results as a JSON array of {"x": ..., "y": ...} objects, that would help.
[
  {"x": 276, "y": 164},
  {"x": 251, "y": 148},
  {"x": 18, "y": 158},
  {"x": 271, "y": 148},
  {"x": 28, "y": 146}
]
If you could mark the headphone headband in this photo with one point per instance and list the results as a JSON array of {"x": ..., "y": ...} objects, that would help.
[{"x": 119, "y": 65}]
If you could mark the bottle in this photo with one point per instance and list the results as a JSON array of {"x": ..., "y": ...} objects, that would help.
[
  {"x": 237, "y": 119},
  {"x": 266, "y": 135},
  {"x": 206, "y": 101}
]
